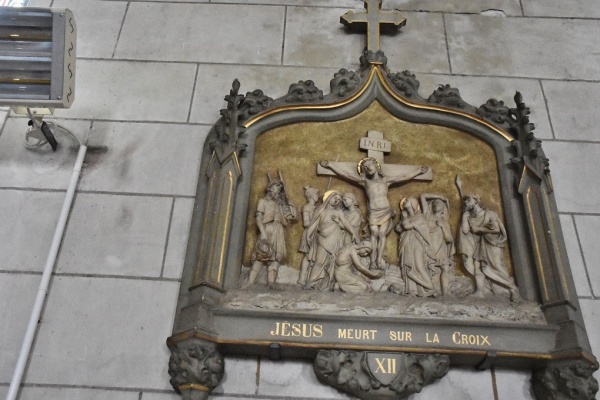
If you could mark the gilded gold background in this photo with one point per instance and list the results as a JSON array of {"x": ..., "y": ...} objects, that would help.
[{"x": 296, "y": 149}]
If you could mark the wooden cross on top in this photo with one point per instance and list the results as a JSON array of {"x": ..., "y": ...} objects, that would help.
[{"x": 372, "y": 20}]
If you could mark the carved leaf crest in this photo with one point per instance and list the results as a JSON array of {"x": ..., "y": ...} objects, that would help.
[
  {"x": 303, "y": 92},
  {"x": 255, "y": 102},
  {"x": 447, "y": 96},
  {"x": 344, "y": 83},
  {"x": 495, "y": 111},
  {"x": 405, "y": 82},
  {"x": 195, "y": 364}
]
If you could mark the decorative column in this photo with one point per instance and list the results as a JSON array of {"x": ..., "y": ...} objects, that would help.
[
  {"x": 223, "y": 172},
  {"x": 535, "y": 185}
]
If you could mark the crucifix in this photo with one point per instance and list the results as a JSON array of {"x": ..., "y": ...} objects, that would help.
[
  {"x": 372, "y": 174},
  {"x": 373, "y": 20}
]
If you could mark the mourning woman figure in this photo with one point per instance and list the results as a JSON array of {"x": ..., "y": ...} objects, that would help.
[
  {"x": 352, "y": 268},
  {"x": 414, "y": 250},
  {"x": 326, "y": 234},
  {"x": 441, "y": 242}
]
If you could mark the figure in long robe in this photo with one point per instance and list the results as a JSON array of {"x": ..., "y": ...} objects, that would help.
[
  {"x": 353, "y": 215},
  {"x": 351, "y": 273},
  {"x": 326, "y": 234},
  {"x": 273, "y": 214},
  {"x": 414, "y": 248},
  {"x": 441, "y": 242},
  {"x": 481, "y": 243},
  {"x": 308, "y": 210},
  {"x": 376, "y": 185}
]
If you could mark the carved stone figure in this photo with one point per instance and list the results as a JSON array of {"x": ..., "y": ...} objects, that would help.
[
  {"x": 441, "y": 242},
  {"x": 414, "y": 250},
  {"x": 482, "y": 238},
  {"x": 380, "y": 214},
  {"x": 350, "y": 272},
  {"x": 273, "y": 214},
  {"x": 326, "y": 233},
  {"x": 353, "y": 215},
  {"x": 312, "y": 197}
]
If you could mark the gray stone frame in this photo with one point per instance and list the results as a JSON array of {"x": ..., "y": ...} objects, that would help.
[{"x": 535, "y": 239}]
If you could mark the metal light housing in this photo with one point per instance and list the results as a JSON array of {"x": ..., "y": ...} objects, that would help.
[{"x": 37, "y": 58}]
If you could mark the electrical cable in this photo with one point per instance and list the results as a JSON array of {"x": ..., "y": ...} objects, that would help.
[{"x": 34, "y": 319}]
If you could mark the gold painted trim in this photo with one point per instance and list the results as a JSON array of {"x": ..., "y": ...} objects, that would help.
[
  {"x": 376, "y": 70},
  {"x": 536, "y": 243},
  {"x": 535, "y": 356},
  {"x": 194, "y": 386},
  {"x": 557, "y": 253},
  {"x": 225, "y": 240},
  {"x": 203, "y": 247},
  {"x": 313, "y": 106},
  {"x": 236, "y": 161}
]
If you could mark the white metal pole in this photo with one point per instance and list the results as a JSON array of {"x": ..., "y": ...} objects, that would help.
[{"x": 48, "y": 269}]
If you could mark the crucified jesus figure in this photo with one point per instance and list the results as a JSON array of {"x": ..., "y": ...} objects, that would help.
[{"x": 369, "y": 175}]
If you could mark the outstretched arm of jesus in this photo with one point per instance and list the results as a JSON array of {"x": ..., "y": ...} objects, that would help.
[
  {"x": 405, "y": 174},
  {"x": 343, "y": 171}
]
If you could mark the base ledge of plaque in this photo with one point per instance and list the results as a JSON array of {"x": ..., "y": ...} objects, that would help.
[{"x": 371, "y": 375}]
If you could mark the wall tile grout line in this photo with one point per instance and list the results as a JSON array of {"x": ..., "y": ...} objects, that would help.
[
  {"x": 111, "y": 276},
  {"x": 447, "y": 45},
  {"x": 579, "y": 141},
  {"x": 141, "y": 391},
  {"x": 522, "y": 9},
  {"x": 585, "y": 267},
  {"x": 80, "y": 275},
  {"x": 405, "y": 10},
  {"x": 137, "y": 194},
  {"x": 3, "y": 124},
  {"x": 193, "y": 93},
  {"x": 120, "y": 30},
  {"x": 321, "y": 67},
  {"x": 494, "y": 383},
  {"x": 105, "y": 192},
  {"x": 257, "y": 375},
  {"x": 285, "y": 15},
  {"x": 162, "y": 268},
  {"x": 547, "y": 109},
  {"x": 19, "y": 272},
  {"x": 125, "y": 121},
  {"x": 28, "y": 189}
]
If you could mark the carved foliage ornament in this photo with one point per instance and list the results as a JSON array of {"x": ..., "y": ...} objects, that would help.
[
  {"x": 195, "y": 364},
  {"x": 572, "y": 381},
  {"x": 377, "y": 375}
]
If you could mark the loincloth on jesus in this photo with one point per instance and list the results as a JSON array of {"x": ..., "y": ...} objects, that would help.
[{"x": 380, "y": 216}]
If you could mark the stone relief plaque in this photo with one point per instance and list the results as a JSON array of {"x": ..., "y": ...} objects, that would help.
[{"x": 384, "y": 235}]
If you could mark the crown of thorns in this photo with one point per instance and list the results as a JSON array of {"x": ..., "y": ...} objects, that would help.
[{"x": 359, "y": 166}]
